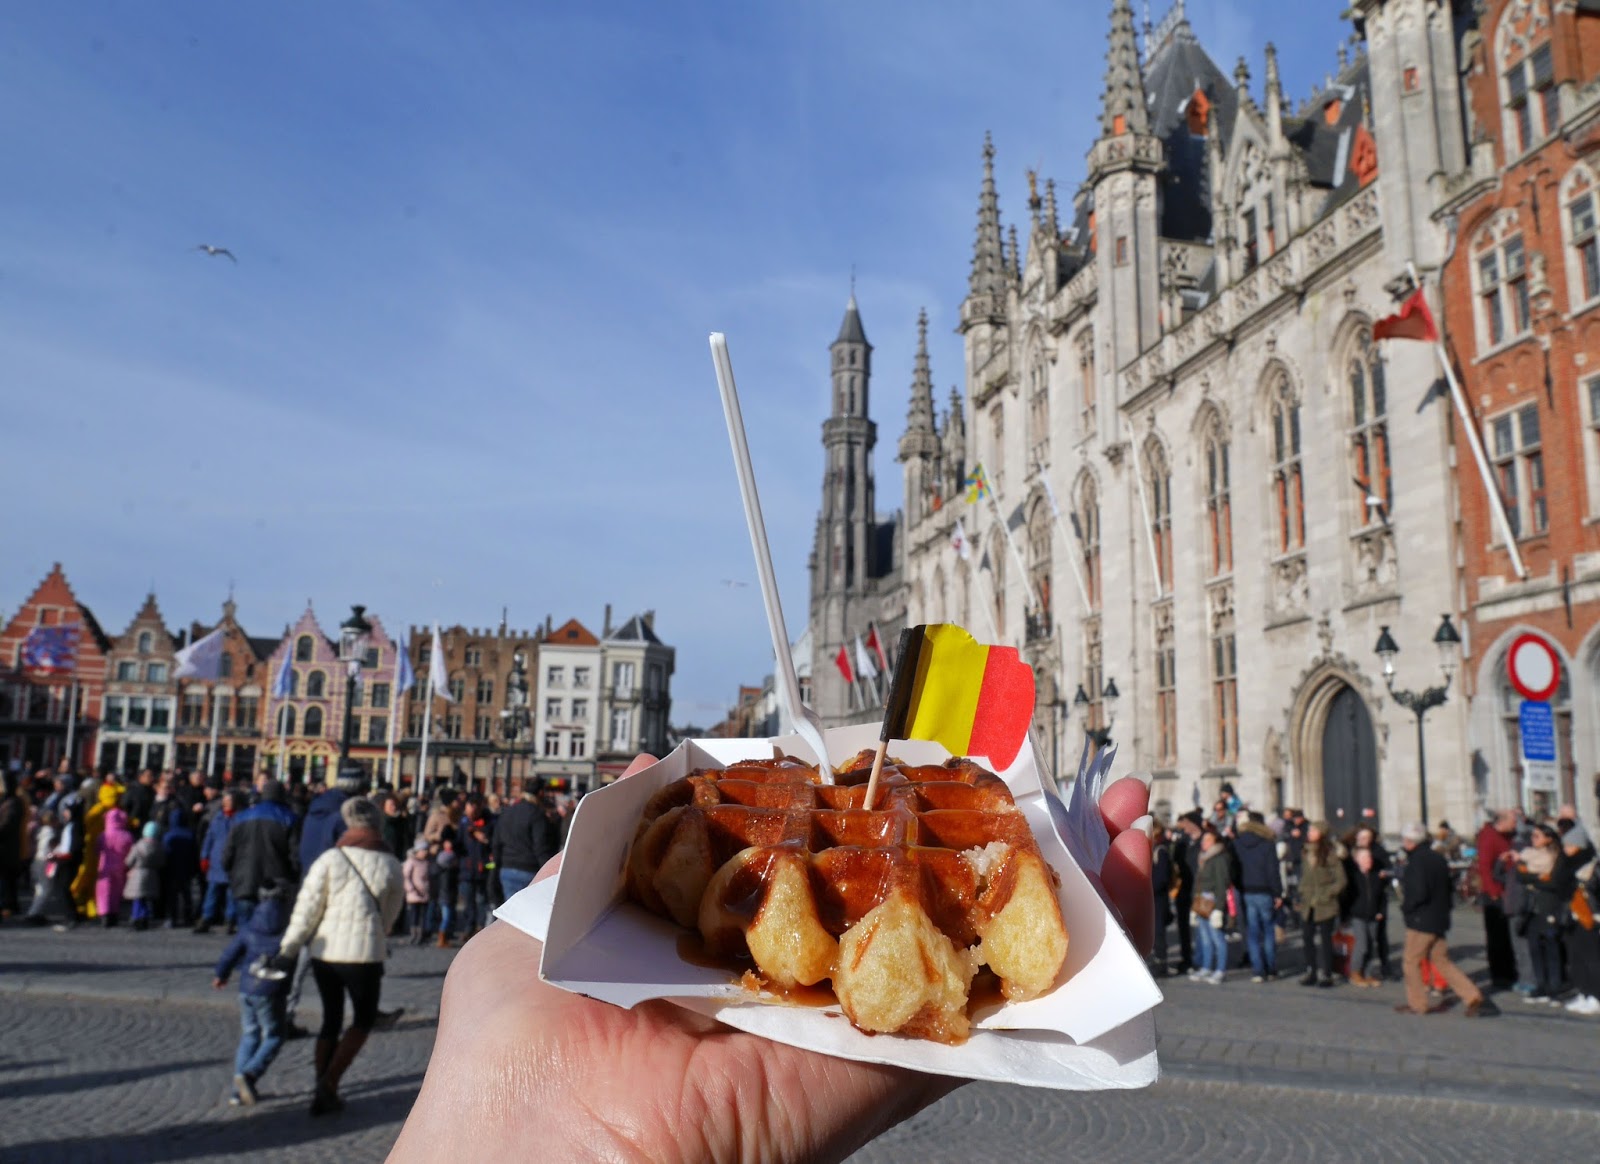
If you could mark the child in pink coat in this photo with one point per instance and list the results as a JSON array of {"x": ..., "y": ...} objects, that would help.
[
  {"x": 414, "y": 874},
  {"x": 115, "y": 843}
]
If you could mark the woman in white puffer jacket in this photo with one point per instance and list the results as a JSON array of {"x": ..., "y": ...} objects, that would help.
[{"x": 344, "y": 912}]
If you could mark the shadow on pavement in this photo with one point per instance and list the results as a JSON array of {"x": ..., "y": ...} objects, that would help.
[
  {"x": 59, "y": 1084},
  {"x": 8, "y": 968},
  {"x": 277, "y": 1123}
]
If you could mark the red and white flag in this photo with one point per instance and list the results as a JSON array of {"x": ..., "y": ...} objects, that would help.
[
  {"x": 1412, "y": 322},
  {"x": 842, "y": 660},
  {"x": 875, "y": 645}
]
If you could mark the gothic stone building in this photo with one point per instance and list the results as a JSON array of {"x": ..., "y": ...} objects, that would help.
[{"x": 1247, "y": 487}]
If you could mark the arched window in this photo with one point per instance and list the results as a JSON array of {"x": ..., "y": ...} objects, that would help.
[
  {"x": 1158, "y": 485},
  {"x": 1038, "y": 411},
  {"x": 1580, "y": 198},
  {"x": 1219, "y": 497},
  {"x": 314, "y": 721},
  {"x": 294, "y": 682},
  {"x": 995, "y": 555},
  {"x": 1527, "y": 76},
  {"x": 1369, "y": 434},
  {"x": 1088, "y": 392},
  {"x": 1288, "y": 475},
  {"x": 288, "y": 720},
  {"x": 316, "y": 684},
  {"x": 303, "y": 647},
  {"x": 1086, "y": 524},
  {"x": 1500, "y": 281},
  {"x": 1039, "y": 552},
  {"x": 146, "y": 640}
]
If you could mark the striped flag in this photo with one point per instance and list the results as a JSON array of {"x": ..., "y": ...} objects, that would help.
[{"x": 975, "y": 699}]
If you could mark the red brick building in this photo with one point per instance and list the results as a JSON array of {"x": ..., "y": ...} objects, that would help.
[
  {"x": 39, "y": 724},
  {"x": 1521, "y": 313}
]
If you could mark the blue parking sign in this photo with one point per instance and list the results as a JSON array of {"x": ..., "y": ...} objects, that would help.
[{"x": 1538, "y": 730}]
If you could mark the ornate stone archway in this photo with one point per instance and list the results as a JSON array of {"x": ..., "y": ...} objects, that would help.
[{"x": 1306, "y": 724}]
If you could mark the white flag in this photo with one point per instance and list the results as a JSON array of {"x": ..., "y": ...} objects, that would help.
[
  {"x": 438, "y": 675},
  {"x": 958, "y": 539},
  {"x": 202, "y": 659},
  {"x": 866, "y": 666}
]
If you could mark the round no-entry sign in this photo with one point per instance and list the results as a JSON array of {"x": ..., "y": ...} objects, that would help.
[{"x": 1534, "y": 669}]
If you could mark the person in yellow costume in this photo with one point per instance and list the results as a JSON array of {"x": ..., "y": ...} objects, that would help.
[{"x": 94, "y": 823}]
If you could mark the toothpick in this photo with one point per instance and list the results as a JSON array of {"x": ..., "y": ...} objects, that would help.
[{"x": 877, "y": 770}]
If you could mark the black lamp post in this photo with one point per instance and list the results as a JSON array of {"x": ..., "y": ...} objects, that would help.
[
  {"x": 514, "y": 717},
  {"x": 1419, "y": 703},
  {"x": 354, "y": 634},
  {"x": 1099, "y": 736}
]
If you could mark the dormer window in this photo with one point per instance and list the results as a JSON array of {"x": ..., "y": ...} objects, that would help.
[
  {"x": 1198, "y": 113},
  {"x": 1364, "y": 156}
]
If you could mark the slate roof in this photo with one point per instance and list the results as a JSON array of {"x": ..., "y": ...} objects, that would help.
[
  {"x": 850, "y": 329},
  {"x": 1178, "y": 68},
  {"x": 635, "y": 630}
]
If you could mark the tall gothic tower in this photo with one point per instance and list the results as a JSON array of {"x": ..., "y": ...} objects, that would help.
[
  {"x": 919, "y": 446},
  {"x": 1124, "y": 170}
]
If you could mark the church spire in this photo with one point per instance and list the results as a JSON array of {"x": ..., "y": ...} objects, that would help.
[
  {"x": 1123, "y": 103},
  {"x": 988, "y": 253},
  {"x": 920, "y": 418}
]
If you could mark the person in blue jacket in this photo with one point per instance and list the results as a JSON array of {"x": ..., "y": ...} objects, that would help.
[
  {"x": 263, "y": 1016},
  {"x": 323, "y": 825},
  {"x": 183, "y": 862},
  {"x": 217, "y": 906}
]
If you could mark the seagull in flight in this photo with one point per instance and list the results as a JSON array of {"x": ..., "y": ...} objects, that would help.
[{"x": 215, "y": 251}]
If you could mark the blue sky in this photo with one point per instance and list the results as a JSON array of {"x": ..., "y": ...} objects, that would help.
[{"x": 461, "y": 363}]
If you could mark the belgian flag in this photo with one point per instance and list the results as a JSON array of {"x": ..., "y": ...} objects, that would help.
[{"x": 975, "y": 699}]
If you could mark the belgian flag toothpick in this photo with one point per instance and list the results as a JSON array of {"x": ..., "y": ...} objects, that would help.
[{"x": 975, "y": 699}]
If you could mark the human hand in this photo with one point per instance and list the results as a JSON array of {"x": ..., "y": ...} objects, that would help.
[
  {"x": 531, "y": 1067},
  {"x": 217, "y": 983}
]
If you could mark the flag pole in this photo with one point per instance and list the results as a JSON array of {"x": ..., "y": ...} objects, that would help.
[
  {"x": 1067, "y": 543},
  {"x": 72, "y": 720},
  {"x": 1459, "y": 399},
  {"x": 422, "y": 762},
  {"x": 211, "y": 757},
  {"x": 1149, "y": 535},
  {"x": 277, "y": 732},
  {"x": 1016, "y": 554},
  {"x": 394, "y": 710}
]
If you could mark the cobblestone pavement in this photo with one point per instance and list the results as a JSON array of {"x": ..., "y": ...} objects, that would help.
[{"x": 116, "y": 1049}]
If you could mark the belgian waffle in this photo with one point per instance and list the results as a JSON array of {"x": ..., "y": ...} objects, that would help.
[{"x": 897, "y": 906}]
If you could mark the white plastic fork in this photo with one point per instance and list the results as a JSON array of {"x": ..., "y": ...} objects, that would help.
[{"x": 794, "y": 715}]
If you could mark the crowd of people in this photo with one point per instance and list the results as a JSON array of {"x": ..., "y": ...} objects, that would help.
[
  {"x": 307, "y": 881},
  {"x": 1235, "y": 877}
]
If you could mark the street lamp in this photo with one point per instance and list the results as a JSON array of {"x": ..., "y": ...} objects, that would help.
[
  {"x": 1099, "y": 736},
  {"x": 514, "y": 717},
  {"x": 354, "y": 634},
  {"x": 1419, "y": 703}
]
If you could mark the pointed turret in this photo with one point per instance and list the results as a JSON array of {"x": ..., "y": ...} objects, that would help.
[
  {"x": 1123, "y": 103},
  {"x": 919, "y": 418},
  {"x": 1013, "y": 254},
  {"x": 1274, "y": 97},
  {"x": 850, "y": 329},
  {"x": 1052, "y": 221},
  {"x": 954, "y": 437},
  {"x": 919, "y": 447},
  {"x": 988, "y": 257}
]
